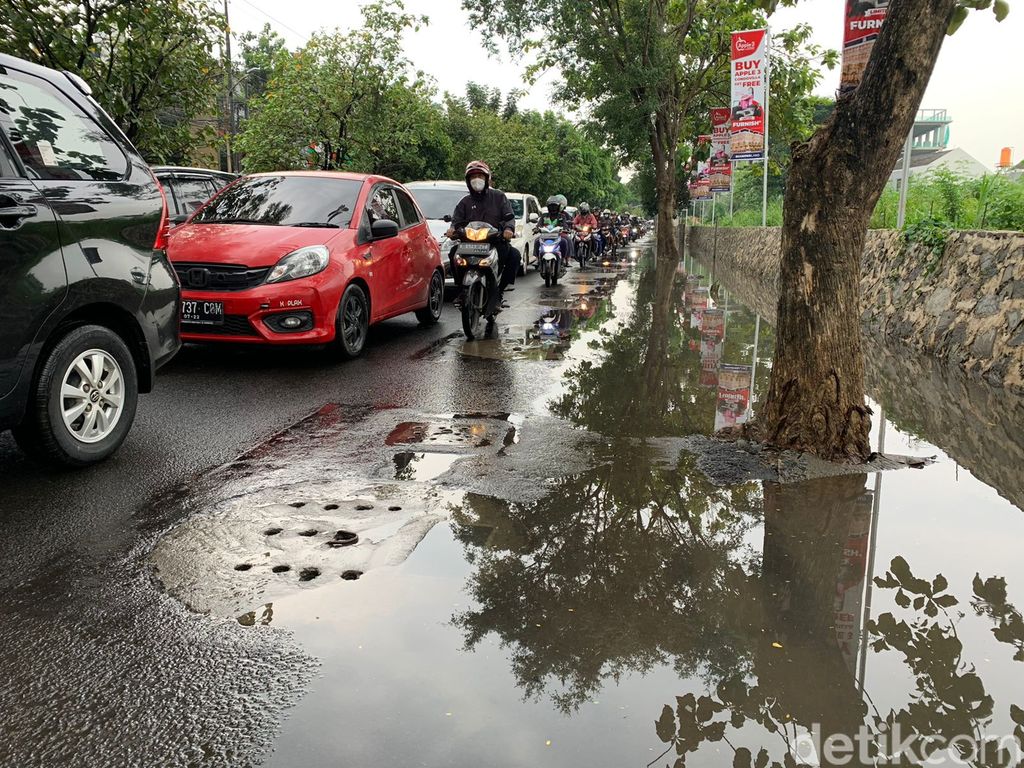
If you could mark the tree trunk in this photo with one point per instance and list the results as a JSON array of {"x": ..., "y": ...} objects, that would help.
[
  {"x": 665, "y": 183},
  {"x": 816, "y": 399}
]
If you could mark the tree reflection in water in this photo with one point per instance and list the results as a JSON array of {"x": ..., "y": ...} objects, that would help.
[{"x": 635, "y": 564}]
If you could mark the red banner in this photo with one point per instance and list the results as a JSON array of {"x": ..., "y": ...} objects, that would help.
[
  {"x": 863, "y": 23},
  {"x": 720, "y": 171},
  {"x": 749, "y": 93}
]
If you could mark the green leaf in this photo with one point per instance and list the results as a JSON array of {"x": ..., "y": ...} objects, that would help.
[
  {"x": 939, "y": 584},
  {"x": 959, "y": 16},
  {"x": 666, "y": 725},
  {"x": 902, "y": 600},
  {"x": 1001, "y": 8},
  {"x": 946, "y": 601},
  {"x": 762, "y": 759}
]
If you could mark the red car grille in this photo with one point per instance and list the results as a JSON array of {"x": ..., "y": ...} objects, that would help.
[{"x": 219, "y": 277}]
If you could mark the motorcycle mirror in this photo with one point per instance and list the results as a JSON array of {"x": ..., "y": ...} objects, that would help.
[
  {"x": 534, "y": 217},
  {"x": 446, "y": 218}
]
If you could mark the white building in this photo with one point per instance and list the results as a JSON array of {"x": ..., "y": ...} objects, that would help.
[{"x": 930, "y": 150}]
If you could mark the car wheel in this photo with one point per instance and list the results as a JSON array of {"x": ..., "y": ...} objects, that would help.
[
  {"x": 84, "y": 401},
  {"x": 353, "y": 323},
  {"x": 431, "y": 313}
]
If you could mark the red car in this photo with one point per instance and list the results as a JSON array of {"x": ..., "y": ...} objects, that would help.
[{"x": 305, "y": 257}]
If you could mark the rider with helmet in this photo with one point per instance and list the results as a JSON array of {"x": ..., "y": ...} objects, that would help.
[
  {"x": 484, "y": 203},
  {"x": 587, "y": 219},
  {"x": 556, "y": 216}
]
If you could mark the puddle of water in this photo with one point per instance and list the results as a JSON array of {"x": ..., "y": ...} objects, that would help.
[
  {"x": 423, "y": 467},
  {"x": 633, "y": 613}
]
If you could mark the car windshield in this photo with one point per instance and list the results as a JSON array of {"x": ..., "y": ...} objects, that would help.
[
  {"x": 285, "y": 201},
  {"x": 437, "y": 202},
  {"x": 517, "y": 206}
]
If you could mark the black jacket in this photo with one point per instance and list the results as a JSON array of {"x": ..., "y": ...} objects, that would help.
[{"x": 491, "y": 206}]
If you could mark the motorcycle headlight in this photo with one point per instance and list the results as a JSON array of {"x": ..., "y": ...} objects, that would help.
[{"x": 301, "y": 263}]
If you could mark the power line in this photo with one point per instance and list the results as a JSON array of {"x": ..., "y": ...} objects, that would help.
[{"x": 256, "y": 8}]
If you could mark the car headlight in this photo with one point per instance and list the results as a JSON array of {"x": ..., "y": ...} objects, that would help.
[{"x": 301, "y": 263}]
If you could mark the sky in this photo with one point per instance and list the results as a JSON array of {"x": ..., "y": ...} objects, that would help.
[{"x": 977, "y": 78}]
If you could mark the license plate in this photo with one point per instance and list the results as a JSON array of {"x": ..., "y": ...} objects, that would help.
[{"x": 202, "y": 312}]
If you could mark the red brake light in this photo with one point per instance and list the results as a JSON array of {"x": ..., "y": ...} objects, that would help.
[{"x": 164, "y": 228}]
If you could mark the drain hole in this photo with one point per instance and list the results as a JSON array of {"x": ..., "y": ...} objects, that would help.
[
  {"x": 364, "y": 507},
  {"x": 308, "y": 574},
  {"x": 243, "y": 566},
  {"x": 310, "y": 532},
  {"x": 297, "y": 504},
  {"x": 343, "y": 539},
  {"x": 281, "y": 568},
  {"x": 331, "y": 507},
  {"x": 394, "y": 509},
  {"x": 351, "y": 575},
  {"x": 272, "y": 531}
]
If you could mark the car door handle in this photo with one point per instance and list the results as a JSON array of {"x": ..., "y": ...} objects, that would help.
[
  {"x": 139, "y": 276},
  {"x": 11, "y": 215}
]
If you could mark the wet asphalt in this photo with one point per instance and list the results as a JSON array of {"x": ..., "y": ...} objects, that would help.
[{"x": 90, "y": 652}]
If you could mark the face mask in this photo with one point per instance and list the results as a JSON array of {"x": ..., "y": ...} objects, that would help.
[
  {"x": 552, "y": 212},
  {"x": 477, "y": 185}
]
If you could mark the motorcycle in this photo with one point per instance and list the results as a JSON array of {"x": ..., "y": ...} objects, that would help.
[
  {"x": 549, "y": 251},
  {"x": 478, "y": 256},
  {"x": 611, "y": 245},
  {"x": 584, "y": 245}
]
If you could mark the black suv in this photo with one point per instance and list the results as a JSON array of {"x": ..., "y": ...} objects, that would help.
[{"x": 88, "y": 300}]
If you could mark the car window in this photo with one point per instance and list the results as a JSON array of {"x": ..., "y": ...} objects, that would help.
[
  {"x": 382, "y": 205},
  {"x": 437, "y": 202},
  {"x": 192, "y": 193},
  {"x": 408, "y": 207},
  {"x": 7, "y": 168},
  {"x": 286, "y": 201},
  {"x": 53, "y": 136},
  {"x": 517, "y": 206},
  {"x": 534, "y": 206}
]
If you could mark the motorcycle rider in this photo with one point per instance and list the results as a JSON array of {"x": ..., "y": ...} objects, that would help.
[
  {"x": 555, "y": 216},
  {"x": 587, "y": 219},
  {"x": 487, "y": 204}
]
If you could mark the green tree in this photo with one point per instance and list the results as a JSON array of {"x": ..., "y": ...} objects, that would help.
[
  {"x": 356, "y": 99},
  {"x": 149, "y": 64},
  {"x": 816, "y": 401}
]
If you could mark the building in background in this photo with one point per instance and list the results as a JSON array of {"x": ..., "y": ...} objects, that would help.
[{"x": 931, "y": 151}]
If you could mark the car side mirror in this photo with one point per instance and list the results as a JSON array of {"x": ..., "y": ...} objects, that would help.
[
  {"x": 383, "y": 229},
  {"x": 534, "y": 218},
  {"x": 446, "y": 218}
]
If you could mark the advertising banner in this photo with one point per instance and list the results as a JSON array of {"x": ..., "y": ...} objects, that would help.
[
  {"x": 749, "y": 78},
  {"x": 733, "y": 396},
  {"x": 850, "y": 578},
  {"x": 863, "y": 23},
  {"x": 720, "y": 170},
  {"x": 712, "y": 323},
  {"x": 701, "y": 299}
]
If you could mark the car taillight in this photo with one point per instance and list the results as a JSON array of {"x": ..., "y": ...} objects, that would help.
[{"x": 164, "y": 228}]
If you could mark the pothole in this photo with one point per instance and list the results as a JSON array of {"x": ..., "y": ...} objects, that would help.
[
  {"x": 243, "y": 567},
  {"x": 351, "y": 575},
  {"x": 310, "y": 532},
  {"x": 331, "y": 507},
  {"x": 364, "y": 507},
  {"x": 297, "y": 504},
  {"x": 423, "y": 467},
  {"x": 394, "y": 509},
  {"x": 281, "y": 568},
  {"x": 308, "y": 574},
  {"x": 272, "y": 531}
]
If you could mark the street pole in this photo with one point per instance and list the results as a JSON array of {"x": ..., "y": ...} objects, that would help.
[
  {"x": 767, "y": 112},
  {"x": 230, "y": 87},
  {"x": 876, "y": 504},
  {"x": 732, "y": 184},
  {"x": 901, "y": 213},
  {"x": 753, "y": 368}
]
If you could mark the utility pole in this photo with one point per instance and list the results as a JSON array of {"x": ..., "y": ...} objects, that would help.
[{"x": 230, "y": 88}]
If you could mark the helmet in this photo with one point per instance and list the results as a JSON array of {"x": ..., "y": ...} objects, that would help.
[
  {"x": 584, "y": 208},
  {"x": 606, "y": 212},
  {"x": 555, "y": 201},
  {"x": 478, "y": 167},
  {"x": 562, "y": 201}
]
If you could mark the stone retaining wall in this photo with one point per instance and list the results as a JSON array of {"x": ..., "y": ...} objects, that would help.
[{"x": 964, "y": 306}]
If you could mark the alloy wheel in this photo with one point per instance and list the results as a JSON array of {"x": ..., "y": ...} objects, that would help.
[{"x": 92, "y": 396}]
